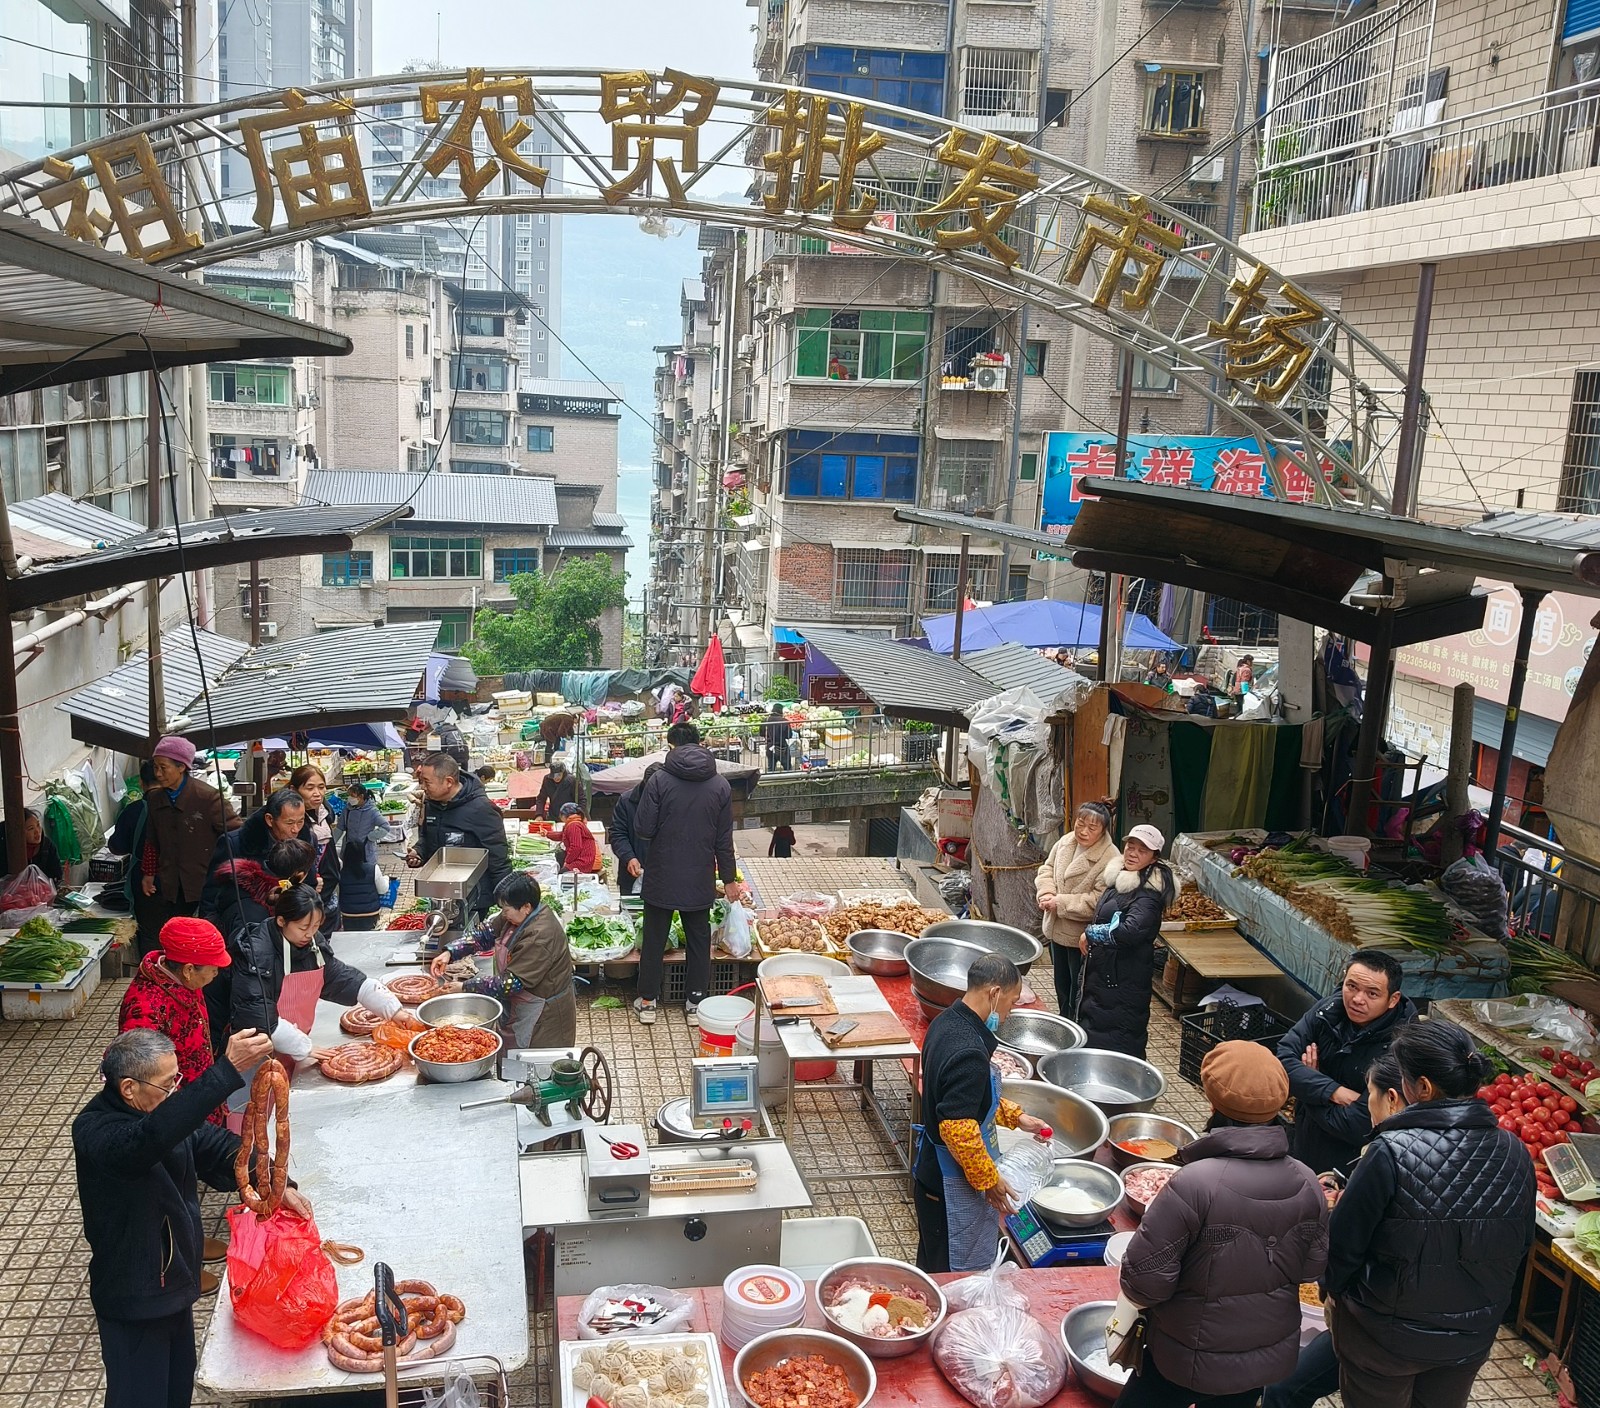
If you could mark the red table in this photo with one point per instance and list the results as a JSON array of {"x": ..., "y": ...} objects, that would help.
[
  {"x": 902, "y": 999},
  {"x": 913, "y": 1382}
]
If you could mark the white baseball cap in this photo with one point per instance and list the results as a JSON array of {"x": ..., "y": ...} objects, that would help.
[{"x": 1149, "y": 836}]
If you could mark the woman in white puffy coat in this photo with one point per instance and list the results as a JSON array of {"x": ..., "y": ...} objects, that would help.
[{"x": 1069, "y": 885}]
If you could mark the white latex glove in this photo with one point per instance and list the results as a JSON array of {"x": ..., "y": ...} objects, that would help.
[
  {"x": 289, "y": 1040},
  {"x": 377, "y": 999}
]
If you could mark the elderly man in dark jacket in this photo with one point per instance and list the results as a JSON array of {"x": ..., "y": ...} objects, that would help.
[
  {"x": 458, "y": 812},
  {"x": 1327, "y": 1056},
  {"x": 630, "y": 849},
  {"x": 139, "y": 1146},
  {"x": 686, "y": 816}
]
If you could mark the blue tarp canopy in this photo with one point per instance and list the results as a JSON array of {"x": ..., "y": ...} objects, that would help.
[
  {"x": 783, "y": 635},
  {"x": 1043, "y": 625}
]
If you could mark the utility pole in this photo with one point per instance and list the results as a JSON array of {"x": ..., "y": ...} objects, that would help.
[{"x": 152, "y": 617}]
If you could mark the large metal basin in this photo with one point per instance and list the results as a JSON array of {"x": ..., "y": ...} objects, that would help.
[
  {"x": 1118, "y": 1084},
  {"x": 939, "y": 968},
  {"x": 1077, "y": 1128},
  {"x": 1022, "y": 949},
  {"x": 1038, "y": 1034},
  {"x": 881, "y": 952},
  {"x": 1101, "y": 1185},
  {"x": 1083, "y": 1331}
]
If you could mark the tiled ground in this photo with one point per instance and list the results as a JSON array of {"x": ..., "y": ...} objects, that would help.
[{"x": 48, "y": 1351}]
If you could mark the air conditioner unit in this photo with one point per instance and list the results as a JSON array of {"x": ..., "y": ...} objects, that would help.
[
  {"x": 989, "y": 378},
  {"x": 303, "y": 402},
  {"x": 269, "y": 630},
  {"x": 422, "y": 409},
  {"x": 1210, "y": 173},
  {"x": 747, "y": 347}
]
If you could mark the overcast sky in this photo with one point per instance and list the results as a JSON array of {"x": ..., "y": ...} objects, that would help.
[{"x": 710, "y": 37}]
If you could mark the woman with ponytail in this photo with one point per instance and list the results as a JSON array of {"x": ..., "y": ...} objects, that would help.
[{"x": 1428, "y": 1239}]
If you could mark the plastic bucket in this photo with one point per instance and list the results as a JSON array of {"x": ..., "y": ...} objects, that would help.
[
  {"x": 772, "y": 1059},
  {"x": 719, "y": 1023},
  {"x": 1355, "y": 849},
  {"x": 815, "y": 1070}
]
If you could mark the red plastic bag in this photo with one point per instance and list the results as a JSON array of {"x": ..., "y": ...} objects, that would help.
[{"x": 280, "y": 1281}]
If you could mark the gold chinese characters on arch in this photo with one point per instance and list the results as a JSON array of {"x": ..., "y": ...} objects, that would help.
[{"x": 974, "y": 195}]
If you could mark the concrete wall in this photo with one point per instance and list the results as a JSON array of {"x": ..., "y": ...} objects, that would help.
[
  {"x": 1496, "y": 53},
  {"x": 369, "y": 415},
  {"x": 585, "y": 453}
]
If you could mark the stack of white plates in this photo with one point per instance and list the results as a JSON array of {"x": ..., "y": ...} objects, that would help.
[{"x": 759, "y": 1299}]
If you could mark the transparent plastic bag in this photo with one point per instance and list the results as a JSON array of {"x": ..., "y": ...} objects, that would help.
[
  {"x": 1541, "y": 1017},
  {"x": 808, "y": 904},
  {"x": 631, "y": 1301},
  {"x": 994, "y": 1289},
  {"x": 29, "y": 890},
  {"x": 1000, "y": 1357},
  {"x": 735, "y": 932},
  {"x": 458, "y": 1392}
]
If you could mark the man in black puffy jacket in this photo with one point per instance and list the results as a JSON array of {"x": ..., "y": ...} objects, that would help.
[
  {"x": 140, "y": 1145},
  {"x": 458, "y": 812},
  {"x": 630, "y": 849},
  {"x": 1327, "y": 1056},
  {"x": 686, "y": 816}
]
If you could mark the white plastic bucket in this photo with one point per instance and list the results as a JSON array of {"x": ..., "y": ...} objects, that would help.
[
  {"x": 772, "y": 1060},
  {"x": 719, "y": 1023},
  {"x": 1355, "y": 849}
]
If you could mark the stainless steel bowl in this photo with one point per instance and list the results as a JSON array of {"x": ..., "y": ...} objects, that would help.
[
  {"x": 1102, "y": 1184},
  {"x": 893, "y": 1276},
  {"x": 939, "y": 968},
  {"x": 461, "y": 1009},
  {"x": 1083, "y": 1331},
  {"x": 1037, "y": 1033},
  {"x": 1022, "y": 949},
  {"x": 1008, "y": 1059},
  {"x": 455, "y": 1072},
  {"x": 1137, "y": 1205},
  {"x": 930, "y": 1010},
  {"x": 881, "y": 952},
  {"x": 812, "y": 964},
  {"x": 1118, "y": 1084},
  {"x": 770, "y": 1350},
  {"x": 1077, "y": 1128},
  {"x": 1144, "y": 1126}
]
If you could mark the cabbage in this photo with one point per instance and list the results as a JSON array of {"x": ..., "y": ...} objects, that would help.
[{"x": 1587, "y": 1233}]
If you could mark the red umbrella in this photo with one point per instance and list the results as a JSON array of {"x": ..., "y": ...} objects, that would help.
[{"x": 711, "y": 677}]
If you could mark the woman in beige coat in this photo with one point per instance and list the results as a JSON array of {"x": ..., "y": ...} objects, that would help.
[{"x": 1069, "y": 884}]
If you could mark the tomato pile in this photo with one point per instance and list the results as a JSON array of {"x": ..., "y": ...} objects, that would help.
[
  {"x": 1535, "y": 1111},
  {"x": 1570, "y": 1067}
]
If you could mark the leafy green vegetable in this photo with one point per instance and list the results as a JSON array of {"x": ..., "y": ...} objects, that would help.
[
  {"x": 1587, "y": 1233},
  {"x": 587, "y": 933},
  {"x": 607, "y": 1004},
  {"x": 38, "y": 928}
]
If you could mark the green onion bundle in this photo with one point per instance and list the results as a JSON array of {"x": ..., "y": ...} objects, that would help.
[{"x": 39, "y": 960}]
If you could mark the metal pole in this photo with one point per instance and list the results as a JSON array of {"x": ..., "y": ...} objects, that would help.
[
  {"x": 1408, "y": 452},
  {"x": 10, "y": 710},
  {"x": 255, "y": 603},
  {"x": 1374, "y": 713},
  {"x": 955, "y": 648},
  {"x": 1508, "y": 734},
  {"x": 1111, "y": 597},
  {"x": 1014, "y": 467},
  {"x": 152, "y": 618}
]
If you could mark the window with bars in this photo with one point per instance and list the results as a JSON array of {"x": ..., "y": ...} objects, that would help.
[
  {"x": 859, "y": 344},
  {"x": 964, "y": 477},
  {"x": 872, "y": 579},
  {"x": 1034, "y": 355},
  {"x": 509, "y": 562},
  {"x": 411, "y": 342},
  {"x": 255, "y": 604},
  {"x": 1580, "y": 466},
  {"x": 942, "y": 575},
  {"x": 258, "y": 386},
  {"x": 411, "y": 558},
  {"x": 1175, "y": 103},
  {"x": 1000, "y": 88},
  {"x": 346, "y": 569},
  {"x": 962, "y": 344}
]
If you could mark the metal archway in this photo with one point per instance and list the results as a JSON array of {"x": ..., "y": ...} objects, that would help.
[{"x": 1004, "y": 215}]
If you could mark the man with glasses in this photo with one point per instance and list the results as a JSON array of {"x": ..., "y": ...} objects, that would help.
[{"x": 140, "y": 1145}]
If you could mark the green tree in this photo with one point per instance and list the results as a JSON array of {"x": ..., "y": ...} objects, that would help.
[{"x": 556, "y": 623}]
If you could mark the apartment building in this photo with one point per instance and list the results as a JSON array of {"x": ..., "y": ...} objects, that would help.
[
  {"x": 855, "y": 384},
  {"x": 1462, "y": 133},
  {"x": 568, "y": 429}
]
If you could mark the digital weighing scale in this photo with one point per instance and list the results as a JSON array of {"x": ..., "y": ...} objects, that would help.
[
  {"x": 1042, "y": 1246},
  {"x": 724, "y": 1093}
]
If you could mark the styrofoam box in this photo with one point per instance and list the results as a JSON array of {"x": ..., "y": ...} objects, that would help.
[
  {"x": 715, "y": 1385},
  {"x": 953, "y": 816},
  {"x": 36, "y": 1005}
]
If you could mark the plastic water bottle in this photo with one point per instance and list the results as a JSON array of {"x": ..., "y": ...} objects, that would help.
[{"x": 1026, "y": 1166}]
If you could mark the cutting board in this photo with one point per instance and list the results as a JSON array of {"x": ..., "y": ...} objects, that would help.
[
  {"x": 872, "y": 1029},
  {"x": 788, "y": 986}
]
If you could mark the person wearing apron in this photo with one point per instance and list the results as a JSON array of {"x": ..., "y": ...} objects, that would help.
[
  {"x": 532, "y": 974},
  {"x": 958, "y": 1191}
]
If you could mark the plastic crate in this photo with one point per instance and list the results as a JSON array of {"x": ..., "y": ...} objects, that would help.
[
  {"x": 726, "y": 975},
  {"x": 1205, "y": 1029}
]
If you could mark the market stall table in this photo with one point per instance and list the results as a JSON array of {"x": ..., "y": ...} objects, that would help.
[
  {"x": 912, "y": 1381},
  {"x": 383, "y": 1166},
  {"x": 1205, "y": 957}
]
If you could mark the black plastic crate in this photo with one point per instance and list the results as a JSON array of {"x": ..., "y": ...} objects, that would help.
[
  {"x": 1583, "y": 1359},
  {"x": 726, "y": 975},
  {"x": 1214, "y": 1025}
]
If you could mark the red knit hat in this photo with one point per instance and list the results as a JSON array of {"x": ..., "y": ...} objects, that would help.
[{"x": 186, "y": 940}]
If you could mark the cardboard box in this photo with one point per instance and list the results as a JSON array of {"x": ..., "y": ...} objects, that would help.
[{"x": 953, "y": 815}]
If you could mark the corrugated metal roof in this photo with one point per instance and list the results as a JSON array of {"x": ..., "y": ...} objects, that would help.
[
  {"x": 903, "y": 680},
  {"x": 483, "y": 501},
  {"x": 552, "y": 386},
  {"x": 258, "y": 535},
  {"x": 609, "y": 520},
  {"x": 115, "y": 711},
  {"x": 581, "y": 538},
  {"x": 72, "y": 523},
  {"x": 1012, "y": 666},
  {"x": 71, "y": 312},
  {"x": 1569, "y": 531},
  {"x": 694, "y": 291},
  {"x": 367, "y": 674}
]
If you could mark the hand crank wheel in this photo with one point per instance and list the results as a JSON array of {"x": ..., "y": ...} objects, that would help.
[{"x": 597, "y": 1102}]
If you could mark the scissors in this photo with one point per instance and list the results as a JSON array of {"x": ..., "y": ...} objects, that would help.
[{"x": 620, "y": 1149}]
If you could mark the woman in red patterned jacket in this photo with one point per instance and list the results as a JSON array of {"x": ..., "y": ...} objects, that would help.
[{"x": 166, "y": 993}]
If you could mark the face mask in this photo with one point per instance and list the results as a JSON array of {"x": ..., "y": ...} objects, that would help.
[{"x": 992, "y": 1021}]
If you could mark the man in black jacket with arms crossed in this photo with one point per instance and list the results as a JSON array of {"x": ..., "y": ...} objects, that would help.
[{"x": 139, "y": 1145}]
